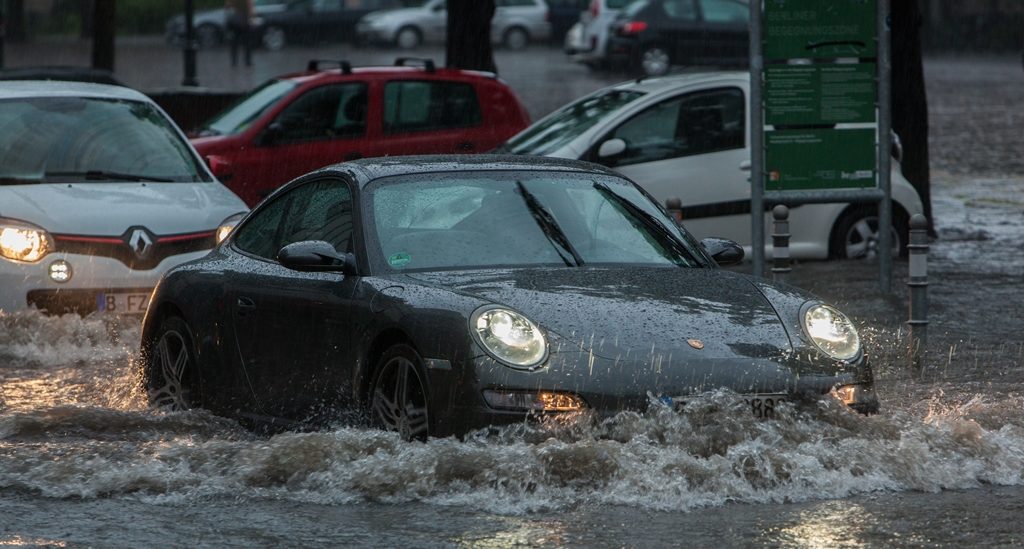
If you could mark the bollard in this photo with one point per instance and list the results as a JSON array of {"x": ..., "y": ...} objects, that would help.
[
  {"x": 780, "y": 244},
  {"x": 918, "y": 285},
  {"x": 675, "y": 208}
]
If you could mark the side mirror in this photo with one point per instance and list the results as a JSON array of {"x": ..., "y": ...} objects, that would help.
[
  {"x": 220, "y": 167},
  {"x": 316, "y": 255},
  {"x": 272, "y": 134},
  {"x": 724, "y": 252},
  {"x": 612, "y": 147}
]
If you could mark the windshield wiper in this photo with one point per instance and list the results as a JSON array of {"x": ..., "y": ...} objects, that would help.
[
  {"x": 649, "y": 221},
  {"x": 110, "y": 176},
  {"x": 547, "y": 223}
]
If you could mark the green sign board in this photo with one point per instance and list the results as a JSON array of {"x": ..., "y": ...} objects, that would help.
[
  {"x": 819, "y": 94},
  {"x": 820, "y": 159},
  {"x": 796, "y": 29}
]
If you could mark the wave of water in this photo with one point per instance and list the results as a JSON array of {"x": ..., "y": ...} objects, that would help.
[{"x": 78, "y": 428}]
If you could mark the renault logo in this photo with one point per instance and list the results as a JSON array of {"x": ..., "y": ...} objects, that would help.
[{"x": 140, "y": 242}]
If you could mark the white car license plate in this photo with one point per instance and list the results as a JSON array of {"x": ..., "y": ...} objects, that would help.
[
  {"x": 763, "y": 406},
  {"x": 122, "y": 303}
]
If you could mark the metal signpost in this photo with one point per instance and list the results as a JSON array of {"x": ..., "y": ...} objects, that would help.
[{"x": 820, "y": 111}]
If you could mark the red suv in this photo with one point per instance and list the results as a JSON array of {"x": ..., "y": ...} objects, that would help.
[{"x": 303, "y": 121}]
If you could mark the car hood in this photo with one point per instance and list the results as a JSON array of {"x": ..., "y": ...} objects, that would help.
[
  {"x": 393, "y": 15},
  {"x": 111, "y": 208},
  {"x": 636, "y": 313}
]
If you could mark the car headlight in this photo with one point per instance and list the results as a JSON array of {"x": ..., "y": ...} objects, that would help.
[
  {"x": 832, "y": 331},
  {"x": 509, "y": 337},
  {"x": 22, "y": 241},
  {"x": 228, "y": 225}
]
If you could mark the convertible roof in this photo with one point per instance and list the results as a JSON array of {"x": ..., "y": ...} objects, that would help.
[{"x": 366, "y": 170}]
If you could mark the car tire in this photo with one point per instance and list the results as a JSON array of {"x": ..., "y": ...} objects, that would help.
[
  {"x": 408, "y": 38},
  {"x": 655, "y": 61},
  {"x": 170, "y": 367},
  {"x": 855, "y": 234},
  {"x": 399, "y": 400},
  {"x": 208, "y": 36},
  {"x": 516, "y": 38},
  {"x": 274, "y": 38}
]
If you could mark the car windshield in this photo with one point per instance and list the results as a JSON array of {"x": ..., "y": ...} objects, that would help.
[
  {"x": 239, "y": 116},
  {"x": 565, "y": 125},
  {"x": 503, "y": 219},
  {"x": 57, "y": 139}
]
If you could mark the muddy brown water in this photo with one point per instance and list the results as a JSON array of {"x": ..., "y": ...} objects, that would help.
[{"x": 84, "y": 463}]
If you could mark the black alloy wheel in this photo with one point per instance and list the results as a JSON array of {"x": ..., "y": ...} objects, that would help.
[
  {"x": 398, "y": 398},
  {"x": 170, "y": 363}
]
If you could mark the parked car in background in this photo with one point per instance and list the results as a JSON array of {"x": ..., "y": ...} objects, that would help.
[
  {"x": 100, "y": 194},
  {"x": 687, "y": 137},
  {"x": 303, "y": 121},
  {"x": 588, "y": 42},
  {"x": 654, "y": 35},
  {"x": 211, "y": 26},
  {"x": 516, "y": 24},
  {"x": 313, "y": 21},
  {"x": 433, "y": 296}
]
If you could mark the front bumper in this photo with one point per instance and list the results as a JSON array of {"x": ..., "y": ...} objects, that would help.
[
  {"x": 608, "y": 387},
  {"x": 23, "y": 285}
]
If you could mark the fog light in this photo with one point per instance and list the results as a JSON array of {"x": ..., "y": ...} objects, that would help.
[
  {"x": 60, "y": 271},
  {"x": 851, "y": 394},
  {"x": 541, "y": 401}
]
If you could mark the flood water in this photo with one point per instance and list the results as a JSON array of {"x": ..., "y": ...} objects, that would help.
[{"x": 83, "y": 462}]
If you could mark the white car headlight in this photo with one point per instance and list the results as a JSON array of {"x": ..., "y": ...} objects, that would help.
[
  {"x": 228, "y": 225},
  {"x": 832, "y": 332},
  {"x": 509, "y": 337},
  {"x": 22, "y": 241}
]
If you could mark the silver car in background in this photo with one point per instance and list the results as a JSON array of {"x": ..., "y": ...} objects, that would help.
[
  {"x": 516, "y": 24},
  {"x": 587, "y": 41}
]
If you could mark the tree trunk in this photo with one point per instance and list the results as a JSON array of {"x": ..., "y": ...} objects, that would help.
[
  {"x": 469, "y": 35},
  {"x": 104, "y": 12},
  {"x": 909, "y": 103}
]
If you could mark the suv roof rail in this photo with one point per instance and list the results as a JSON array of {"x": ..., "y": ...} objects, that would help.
[
  {"x": 428, "y": 64},
  {"x": 315, "y": 65}
]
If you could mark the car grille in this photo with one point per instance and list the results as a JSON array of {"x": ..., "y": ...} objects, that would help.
[{"x": 137, "y": 247}]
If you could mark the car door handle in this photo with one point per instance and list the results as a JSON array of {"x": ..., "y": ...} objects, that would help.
[
  {"x": 465, "y": 146},
  {"x": 353, "y": 156},
  {"x": 245, "y": 305}
]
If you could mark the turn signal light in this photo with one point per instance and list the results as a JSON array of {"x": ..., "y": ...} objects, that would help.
[
  {"x": 541, "y": 401},
  {"x": 633, "y": 27}
]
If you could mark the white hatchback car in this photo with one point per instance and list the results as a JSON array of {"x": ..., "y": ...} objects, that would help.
[
  {"x": 658, "y": 133},
  {"x": 100, "y": 193}
]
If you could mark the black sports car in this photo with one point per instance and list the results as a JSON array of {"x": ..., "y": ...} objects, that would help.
[{"x": 435, "y": 295}]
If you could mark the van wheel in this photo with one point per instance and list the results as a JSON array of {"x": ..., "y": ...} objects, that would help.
[{"x": 855, "y": 235}]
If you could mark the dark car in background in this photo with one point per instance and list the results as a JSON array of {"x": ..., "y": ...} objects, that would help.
[
  {"x": 306, "y": 120},
  {"x": 654, "y": 35},
  {"x": 314, "y": 21},
  {"x": 563, "y": 14},
  {"x": 437, "y": 295}
]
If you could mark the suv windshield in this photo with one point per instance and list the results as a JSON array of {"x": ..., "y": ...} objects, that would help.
[
  {"x": 513, "y": 219},
  {"x": 57, "y": 139},
  {"x": 562, "y": 127},
  {"x": 238, "y": 116}
]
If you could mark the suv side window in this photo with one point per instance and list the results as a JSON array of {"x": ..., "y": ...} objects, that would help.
[
  {"x": 321, "y": 210},
  {"x": 695, "y": 123},
  {"x": 682, "y": 10},
  {"x": 335, "y": 111},
  {"x": 725, "y": 11},
  {"x": 414, "y": 105}
]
